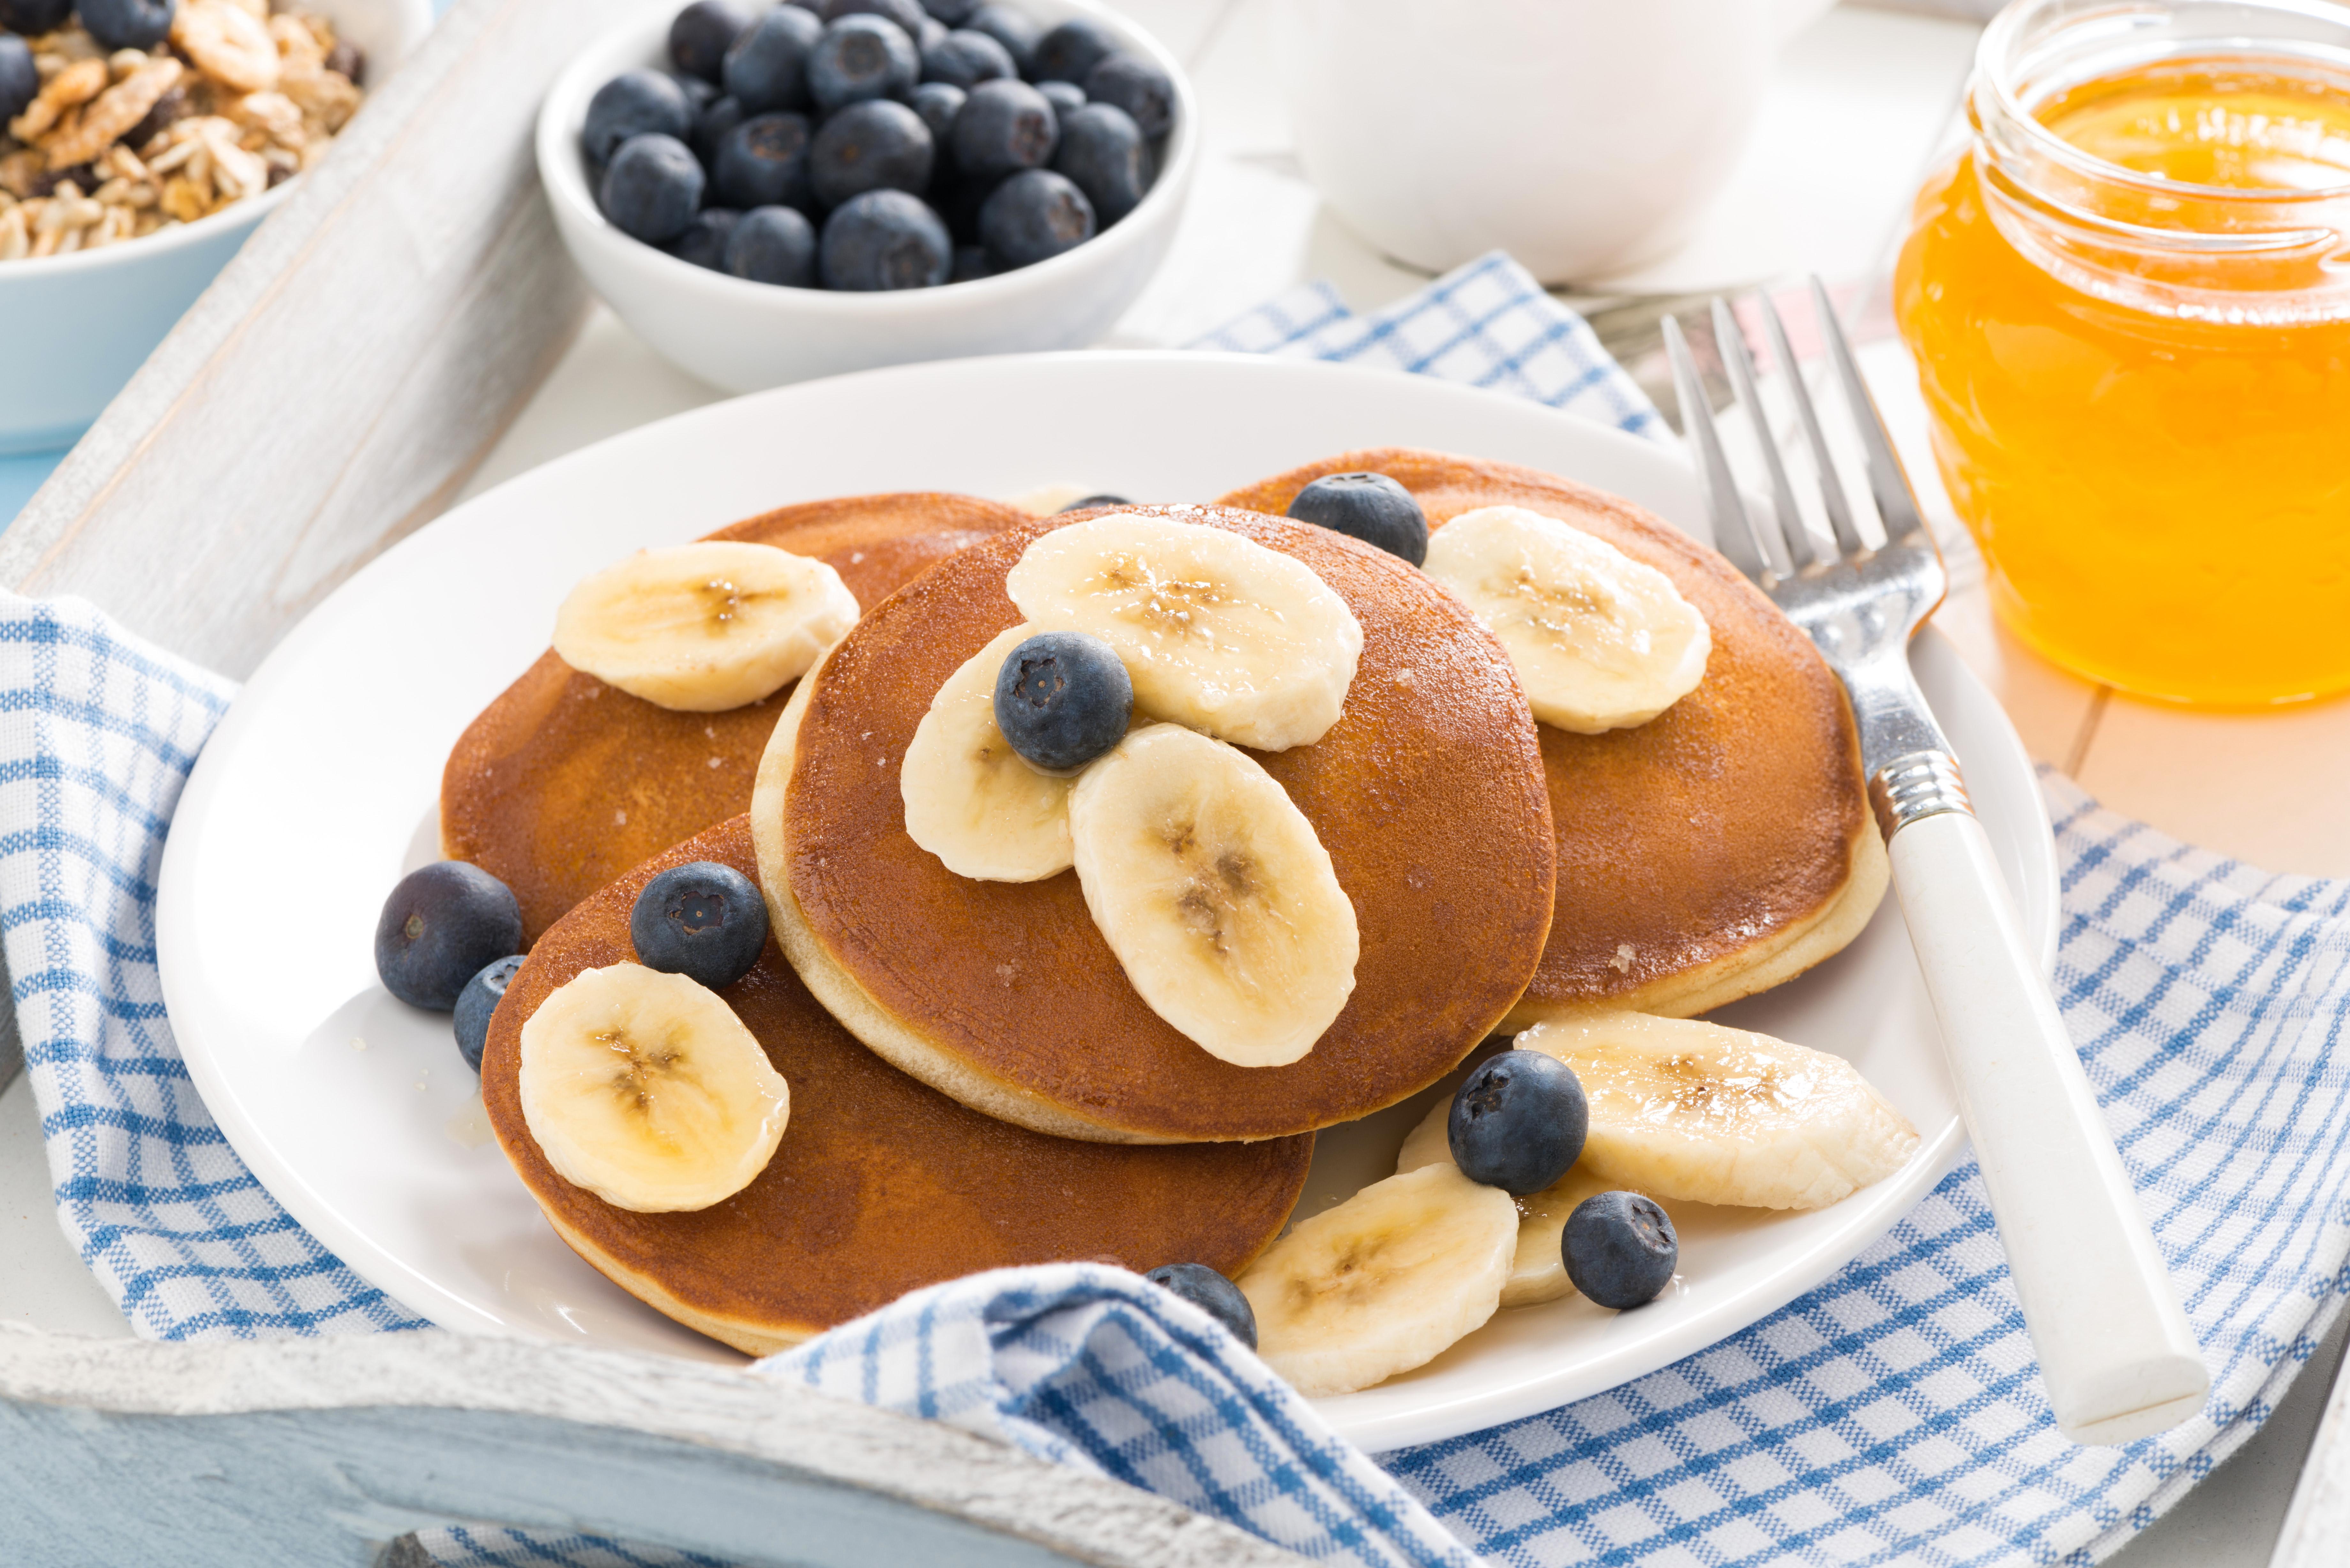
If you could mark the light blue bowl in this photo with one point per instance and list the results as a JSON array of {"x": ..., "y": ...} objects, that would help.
[
  {"x": 76, "y": 326},
  {"x": 76, "y": 332}
]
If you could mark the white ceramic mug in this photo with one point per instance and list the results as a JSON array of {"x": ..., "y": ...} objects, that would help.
[{"x": 1583, "y": 137}]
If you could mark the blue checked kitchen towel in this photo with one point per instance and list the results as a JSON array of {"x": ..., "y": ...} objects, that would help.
[{"x": 1892, "y": 1415}]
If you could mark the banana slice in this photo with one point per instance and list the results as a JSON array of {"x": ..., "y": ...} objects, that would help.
[
  {"x": 1538, "y": 1266},
  {"x": 1386, "y": 1282},
  {"x": 970, "y": 800},
  {"x": 1218, "y": 633},
  {"x": 706, "y": 627},
  {"x": 644, "y": 1088},
  {"x": 1600, "y": 642},
  {"x": 1685, "y": 1110},
  {"x": 1210, "y": 887}
]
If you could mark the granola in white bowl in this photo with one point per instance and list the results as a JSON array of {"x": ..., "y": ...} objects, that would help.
[{"x": 117, "y": 146}]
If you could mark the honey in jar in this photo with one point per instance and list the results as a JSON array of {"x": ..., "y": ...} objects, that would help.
[{"x": 2129, "y": 300}]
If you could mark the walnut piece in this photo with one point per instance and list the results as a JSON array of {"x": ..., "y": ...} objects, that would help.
[
  {"x": 70, "y": 88},
  {"x": 114, "y": 112}
]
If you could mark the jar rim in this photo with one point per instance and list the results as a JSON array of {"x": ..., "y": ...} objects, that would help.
[{"x": 2009, "y": 45}]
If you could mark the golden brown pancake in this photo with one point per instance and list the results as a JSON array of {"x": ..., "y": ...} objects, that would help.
[
  {"x": 880, "y": 1185},
  {"x": 564, "y": 782},
  {"x": 1427, "y": 793},
  {"x": 1714, "y": 852}
]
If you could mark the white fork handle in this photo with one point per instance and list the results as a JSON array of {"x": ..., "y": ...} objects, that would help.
[{"x": 2115, "y": 1348}]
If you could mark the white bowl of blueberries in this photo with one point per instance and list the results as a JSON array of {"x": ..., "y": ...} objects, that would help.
[{"x": 770, "y": 193}]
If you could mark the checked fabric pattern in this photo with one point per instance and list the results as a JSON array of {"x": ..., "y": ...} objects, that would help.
[
  {"x": 1487, "y": 324},
  {"x": 1090, "y": 1366},
  {"x": 1894, "y": 1415},
  {"x": 98, "y": 732}
]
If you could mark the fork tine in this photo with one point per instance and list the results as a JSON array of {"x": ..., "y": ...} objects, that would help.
[
  {"x": 1839, "y": 506},
  {"x": 1887, "y": 480},
  {"x": 1733, "y": 531},
  {"x": 1732, "y": 341}
]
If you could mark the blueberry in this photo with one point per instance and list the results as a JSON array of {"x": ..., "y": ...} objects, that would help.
[
  {"x": 971, "y": 265},
  {"x": 875, "y": 145},
  {"x": 1033, "y": 216},
  {"x": 652, "y": 188},
  {"x": 476, "y": 1003},
  {"x": 1138, "y": 87},
  {"x": 699, "y": 36},
  {"x": 931, "y": 31},
  {"x": 1619, "y": 1249},
  {"x": 1211, "y": 1294},
  {"x": 774, "y": 245},
  {"x": 1367, "y": 506},
  {"x": 34, "y": 17},
  {"x": 128, "y": 24},
  {"x": 951, "y": 12},
  {"x": 1010, "y": 27},
  {"x": 634, "y": 103},
  {"x": 704, "y": 241},
  {"x": 1070, "y": 51},
  {"x": 1062, "y": 698},
  {"x": 709, "y": 128},
  {"x": 703, "y": 921},
  {"x": 441, "y": 924},
  {"x": 861, "y": 57},
  {"x": 908, "y": 14},
  {"x": 965, "y": 59},
  {"x": 763, "y": 162},
  {"x": 1103, "y": 155},
  {"x": 884, "y": 240},
  {"x": 20, "y": 81},
  {"x": 1005, "y": 127},
  {"x": 938, "y": 103},
  {"x": 1088, "y": 503},
  {"x": 766, "y": 69},
  {"x": 1066, "y": 98},
  {"x": 1518, "y": 1121}
]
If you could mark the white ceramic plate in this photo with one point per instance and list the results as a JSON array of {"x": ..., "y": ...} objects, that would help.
[{"x": 318, "y": 791}]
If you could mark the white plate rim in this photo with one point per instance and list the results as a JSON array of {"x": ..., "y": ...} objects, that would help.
[{"x": 1375, "y": 1430}]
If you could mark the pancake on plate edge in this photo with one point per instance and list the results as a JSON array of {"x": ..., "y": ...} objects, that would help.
[
  {"x": 1715, "y": 851},
  {"x": 880, "y": 1185},
  {"x": 564, "y": 783}
]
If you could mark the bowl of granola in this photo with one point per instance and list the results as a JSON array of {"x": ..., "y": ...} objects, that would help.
[{"x": 136, "y": 156}]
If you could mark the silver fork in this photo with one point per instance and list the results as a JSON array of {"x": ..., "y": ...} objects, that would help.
[{"x": 2116, "y": 1352}]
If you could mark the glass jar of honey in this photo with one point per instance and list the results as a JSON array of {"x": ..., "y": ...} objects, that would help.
[{"x": 2129, "y": 300}]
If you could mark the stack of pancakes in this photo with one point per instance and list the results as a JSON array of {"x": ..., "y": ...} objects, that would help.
[{"x": 974, "y": 1081}]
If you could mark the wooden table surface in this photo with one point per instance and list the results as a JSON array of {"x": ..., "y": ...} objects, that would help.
[{"x": 1810, "y": 196}]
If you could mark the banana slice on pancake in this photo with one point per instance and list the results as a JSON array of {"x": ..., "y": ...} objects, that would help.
[
  {"x": 1685, "y": 1110},
  {"x": 1215, "y": 895},
  {"x": 1600, "y": 641},
  {"x": 706, "y": 627},
  {"x": 1218, "y": 632},
  {"x": 645, "y": 1089},
  {"x": 1386, "y": 1282},
  {"x": 1538, "y": 1265},
  {"x": 970, "y": 799}
]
